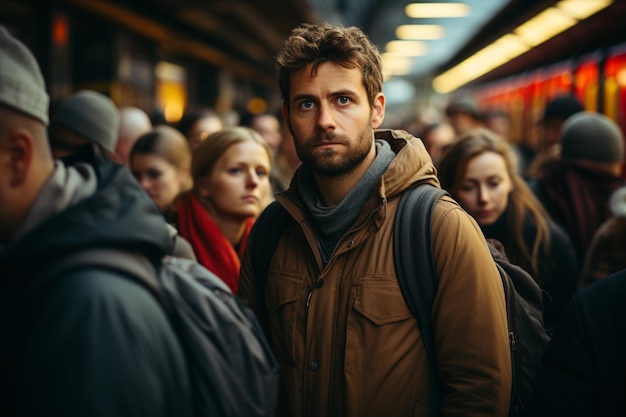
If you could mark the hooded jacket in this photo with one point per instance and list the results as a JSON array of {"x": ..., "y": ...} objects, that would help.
[
  {"x": 88, "y": 342},
  {"x": 346, "y": 341}
]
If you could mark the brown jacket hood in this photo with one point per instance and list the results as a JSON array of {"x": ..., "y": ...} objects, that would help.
[{"x": 412, "y": 164}]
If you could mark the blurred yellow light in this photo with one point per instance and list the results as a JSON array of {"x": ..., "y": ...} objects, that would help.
[
  {"x": 535, "y": 31},
  {"x": 424, "y": 10},
  {"x": 173, "y": 112},
  {"x": 395, "y": 62},
  {"x": 169, "y": 71},
  {"x": 257, "y": 105},
  {"x": 411, "y": 48},
  {"x": 408, "y": 32},
  {"x": 510, "y": 46},
  {"x": 544, "y": 26},
  {"x": 582, "y": 9}
]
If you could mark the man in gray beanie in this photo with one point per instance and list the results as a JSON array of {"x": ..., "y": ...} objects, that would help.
[
  {"x": 86, "y": 116},
  {"x": 576, "y": 188},
  {"x": 87, "y": 341}
]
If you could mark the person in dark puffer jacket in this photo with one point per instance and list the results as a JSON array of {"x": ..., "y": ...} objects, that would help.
[{"x": 89, "y": 341}]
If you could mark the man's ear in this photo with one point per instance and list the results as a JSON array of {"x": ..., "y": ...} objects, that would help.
[
  {"x": 19, "y": 148},
  {"x": 378, "y": 110}
]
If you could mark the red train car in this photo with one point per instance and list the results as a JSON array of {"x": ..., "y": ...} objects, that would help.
[{"x": 598, "y": 79}]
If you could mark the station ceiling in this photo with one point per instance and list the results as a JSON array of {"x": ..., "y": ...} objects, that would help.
[{"x": 244, "y": 35}]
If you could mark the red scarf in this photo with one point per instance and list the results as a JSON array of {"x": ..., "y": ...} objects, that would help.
[{"x": 212, "y": 248}]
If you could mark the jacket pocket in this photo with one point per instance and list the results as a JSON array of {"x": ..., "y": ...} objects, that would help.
[
  {"x": 380, "y": 321},
  {"x": 281, "y": 298},
  {"x": 380, "y": 300}
]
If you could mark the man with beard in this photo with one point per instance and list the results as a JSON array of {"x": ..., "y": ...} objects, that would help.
[{"x": 345, "y": 339}]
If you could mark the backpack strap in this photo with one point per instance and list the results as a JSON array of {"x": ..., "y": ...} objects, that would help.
[
  {"x": 130, "y": 265},
  {"x": 415, "y": 265},
  {"x": 269, "y": 228}
]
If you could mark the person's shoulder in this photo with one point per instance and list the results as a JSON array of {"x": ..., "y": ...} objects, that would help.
[
  {"x": 611, "y": 287},
  {"x": 446, "y": 209},
  {"x": 558, "y": 234},
  {"x": 92, "y": 288}
]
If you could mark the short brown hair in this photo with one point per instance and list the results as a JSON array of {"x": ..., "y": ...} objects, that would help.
[{"x": 345, "y": 46}]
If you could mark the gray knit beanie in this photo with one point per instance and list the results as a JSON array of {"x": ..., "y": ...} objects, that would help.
[
  {"x": 592, "y": 136},
  {"x": 91, "y": 115},
  {"x": 22, "y": 86}
]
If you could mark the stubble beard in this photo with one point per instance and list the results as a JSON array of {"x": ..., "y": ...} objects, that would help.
[{"x": 329, "y": 162}]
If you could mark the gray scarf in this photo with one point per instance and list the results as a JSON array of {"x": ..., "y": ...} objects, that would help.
[{"x": 330, "y": 223}]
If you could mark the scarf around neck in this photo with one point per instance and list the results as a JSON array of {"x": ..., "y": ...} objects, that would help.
[
  {"x": 333, "y": 222},
  {"x": 213, "y": 250}
]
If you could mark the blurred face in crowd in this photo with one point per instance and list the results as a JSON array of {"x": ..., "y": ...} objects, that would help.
[
  {"x": 162, "y": 180},
  {"x": 239, "y": 186},
  {"x": 202, "y": 128},
  {"x": 437, "y": 139},
  {"x": 269, "y": 127},
  {"x": 549, "y": 132},
  {"x": 332, "y": 120},
  {"x": 484, "y": 190},
  {"x": 462, "y": 122}
]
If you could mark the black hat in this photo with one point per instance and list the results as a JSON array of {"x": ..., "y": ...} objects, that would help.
[{"x": 561, "y": 107}]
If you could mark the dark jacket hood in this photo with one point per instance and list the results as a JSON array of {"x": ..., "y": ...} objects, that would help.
[{"x": 119, "y": 215}]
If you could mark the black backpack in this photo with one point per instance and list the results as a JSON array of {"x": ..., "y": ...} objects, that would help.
[
  {"x": 524, "y": 301},
  {"x": 232, "y": 369}
]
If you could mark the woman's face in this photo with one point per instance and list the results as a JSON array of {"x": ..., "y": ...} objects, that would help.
[
  {"x": 485, "y": 187},
  {"x": 162, "y": 180},
  {"x": 239, "y": 184}
]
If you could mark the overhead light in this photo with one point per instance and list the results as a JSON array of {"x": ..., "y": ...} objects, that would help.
[
  {"x": 544, "y": 26},
  {"x": 426, "y": 10},
  {"x": 408, "y": 32},
  {"x": 396, "y": 62},
  {"x": 537, "y": 30},
  {"x": 409, "y": 48},
  {"x": 169, "y": 71},
  {"x": 509, "y": 46},
  {"x": 582, "y": 9}
]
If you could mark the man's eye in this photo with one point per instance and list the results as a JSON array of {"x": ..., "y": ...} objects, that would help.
[
  {"x": 343, "y": 100},
  {"x": 306, "y": 104}
]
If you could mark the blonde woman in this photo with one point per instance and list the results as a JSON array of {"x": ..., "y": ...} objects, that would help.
[{"x": 230, "y": 171}]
